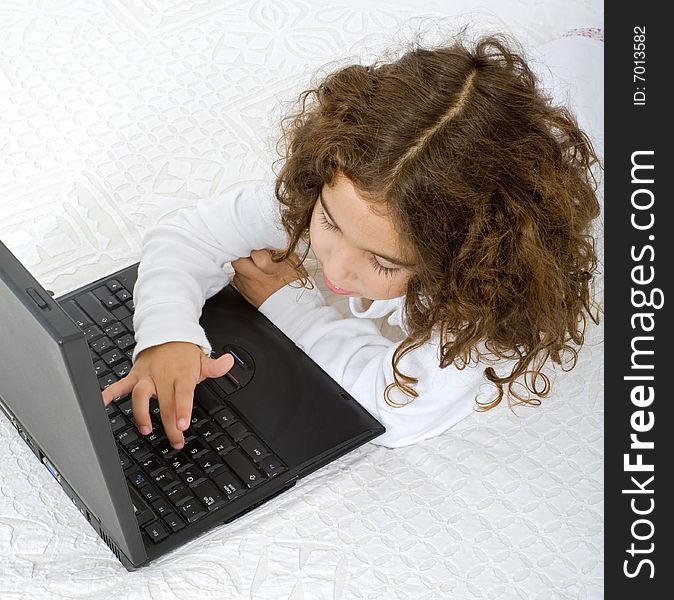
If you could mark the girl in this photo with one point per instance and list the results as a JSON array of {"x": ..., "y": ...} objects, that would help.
[{"x": 444, "y": 189}]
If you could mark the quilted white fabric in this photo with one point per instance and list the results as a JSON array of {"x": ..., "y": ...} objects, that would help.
[{"x": 114, "y": 114}]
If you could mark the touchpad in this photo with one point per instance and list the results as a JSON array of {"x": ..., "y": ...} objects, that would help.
[{"x": 242, "y": 371}]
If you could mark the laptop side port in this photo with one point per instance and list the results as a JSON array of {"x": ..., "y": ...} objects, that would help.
[{"x": 55, "y": 474}]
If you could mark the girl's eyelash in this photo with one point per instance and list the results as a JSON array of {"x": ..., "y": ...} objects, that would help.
[
  {"x": 381, "y": 269},
  {"x": 376, "y": 265},
  {"x": 326, "y": 224}
]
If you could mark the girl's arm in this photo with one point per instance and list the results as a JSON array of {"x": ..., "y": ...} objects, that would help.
[
  {"x": 354, "y": 353},
  {"x": 182, "y": 262}
]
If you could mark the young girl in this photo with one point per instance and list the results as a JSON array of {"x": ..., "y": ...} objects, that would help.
[{"x": 445, "y": 189}]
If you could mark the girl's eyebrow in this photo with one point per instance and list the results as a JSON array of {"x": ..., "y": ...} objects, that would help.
[{"x": 395, "y": 261}]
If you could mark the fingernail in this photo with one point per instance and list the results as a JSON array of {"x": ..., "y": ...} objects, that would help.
[
  {"x": 178, "y": 445},
  {"x": 182, "y": 424},
  {"x": 144, "y": 429}
]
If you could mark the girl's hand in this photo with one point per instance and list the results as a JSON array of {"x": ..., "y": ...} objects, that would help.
[
  {"x": 170, "y": 372},
  {"x": 258, "y": 277}
]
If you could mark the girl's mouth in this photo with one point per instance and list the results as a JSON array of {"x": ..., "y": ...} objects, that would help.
[{"x": 334, "y": 289}]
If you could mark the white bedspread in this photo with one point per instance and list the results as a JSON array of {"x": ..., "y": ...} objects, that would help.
[{"x": 115, "y": 113}]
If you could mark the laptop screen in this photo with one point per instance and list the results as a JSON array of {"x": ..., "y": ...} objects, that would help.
[{"x": 45, "y": 384}]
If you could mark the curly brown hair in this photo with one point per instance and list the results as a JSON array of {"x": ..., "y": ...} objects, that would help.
[{"x": 488, "y": 183}]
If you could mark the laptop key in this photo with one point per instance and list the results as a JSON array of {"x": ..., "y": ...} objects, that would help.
[
  {"x": 195, "y": 447},
  {"x": 166, "y": 479},
  {"x": 115, "y": 330},
  {"x": 153, "y": 464},
  {"x": 127, "y": 437},
  {"x": 221, "y": 443},
  {"x": 238, "y": 431},
  {"x": 228, "y": 483},
  {"x": 113, "y": 357},
  {"x": 141, "y": 509},
  {"x": 192, "y": 475},
  {"x": 107, "y": 380},
  {"x": 121, "y": 312},
  {"x": 207, "y": 399},
  {"x": 92, "y": 333},
  {"x": 111, "y": 410},
  {"x": 123, "y": 296},
  {"x": 124, "y": 460},
  {"x": 155, "y": 438},
  {"x": 139, "y": 450},
  {"x": 100, "y": 368},
  {"x": 156, "y": 531},
  {"x": 101, "y": 292},
  {"x": 209, "y": 462},
  {"x": 138, "y": 478},
  {"x": 128, "y": 322},
  {"x": 114, "y": 286},
  {"x": 180, "y": 461},
  {"x": 207, "y": 430},
  {"x": 117, "y": 422},
  {"x": 254, "y": 448},
  {"x": 192, "y": 510},
  {"x": 126, "y": 341},
  {"x": 174, "y": 522},
  {"x": 101, "y": 345},
  {"x": 198, "y": 416},
  {"x": 149, "y": 492},
  {"x": 93, "y": 307},
  {"x": 271, "y": 465},
  {"x": 225, "y": 417},
  {"x": 165, "y": 449},
  {"x": 125, "y": 407},
  {"x": 77, "y": 314},
  {"x": 122, "y": 369},
  {"x": 161, "y": 507},
  {"x": 244, "y": 468},
  {"x": 208, "y": 494},
  {"x": 179, "y": 494},
  {"x": 154, "y": 407},
  {"x": 111, "y": 302}
]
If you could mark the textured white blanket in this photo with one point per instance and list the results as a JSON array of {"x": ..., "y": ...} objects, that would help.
[{"x": 115, "y": 113}]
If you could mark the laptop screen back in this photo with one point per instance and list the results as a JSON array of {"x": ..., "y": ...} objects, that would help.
[{"x": 45, "y": 383}]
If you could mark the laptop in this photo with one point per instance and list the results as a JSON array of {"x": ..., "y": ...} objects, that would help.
[{"x": 272, "y": 420}]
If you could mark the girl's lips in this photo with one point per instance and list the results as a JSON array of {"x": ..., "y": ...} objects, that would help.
[{"x": 333, "y": 288}]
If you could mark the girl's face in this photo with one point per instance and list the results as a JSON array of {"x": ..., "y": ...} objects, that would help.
[{"x": 359, "y": 250}]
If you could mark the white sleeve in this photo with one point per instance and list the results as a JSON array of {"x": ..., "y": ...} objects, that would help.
[
  {"x": 182, "y": 261},
  {"x": 355, "y": 354}
]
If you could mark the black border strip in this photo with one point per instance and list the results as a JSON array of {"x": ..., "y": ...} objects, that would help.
[{"x": 638, "y": 125}]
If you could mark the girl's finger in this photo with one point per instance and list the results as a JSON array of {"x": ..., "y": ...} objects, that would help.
[
  {"x": 215, "y": 367},
  {"x": 245, "y": 266},
  {"x": 118, "y": 389},
  {"x": 262, "y": 260},
  {"x": 183, "y": 393},
  {"x": 167, "y": 411},
  {"x": 140, "y": 405}
]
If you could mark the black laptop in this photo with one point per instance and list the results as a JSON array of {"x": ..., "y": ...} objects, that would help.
[{"x": 273, "y": 419}]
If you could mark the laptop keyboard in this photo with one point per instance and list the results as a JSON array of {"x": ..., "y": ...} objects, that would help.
[{"x": 222, "y": 458}]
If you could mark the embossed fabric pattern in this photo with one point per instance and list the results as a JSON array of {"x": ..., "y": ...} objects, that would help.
[{"x": 115, "y": 114}]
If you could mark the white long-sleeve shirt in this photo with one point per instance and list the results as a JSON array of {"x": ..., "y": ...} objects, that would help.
[{"x": 182, "y": 264}]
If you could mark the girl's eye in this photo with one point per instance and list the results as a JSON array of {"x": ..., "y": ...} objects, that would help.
[
  {"x": 378, "y": 267},
  {"x": 326, "y": 224},
  {"x": 381, "y": 269}
]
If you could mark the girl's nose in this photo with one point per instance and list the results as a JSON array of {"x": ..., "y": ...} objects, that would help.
[{"x": 340, "y": 269}]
